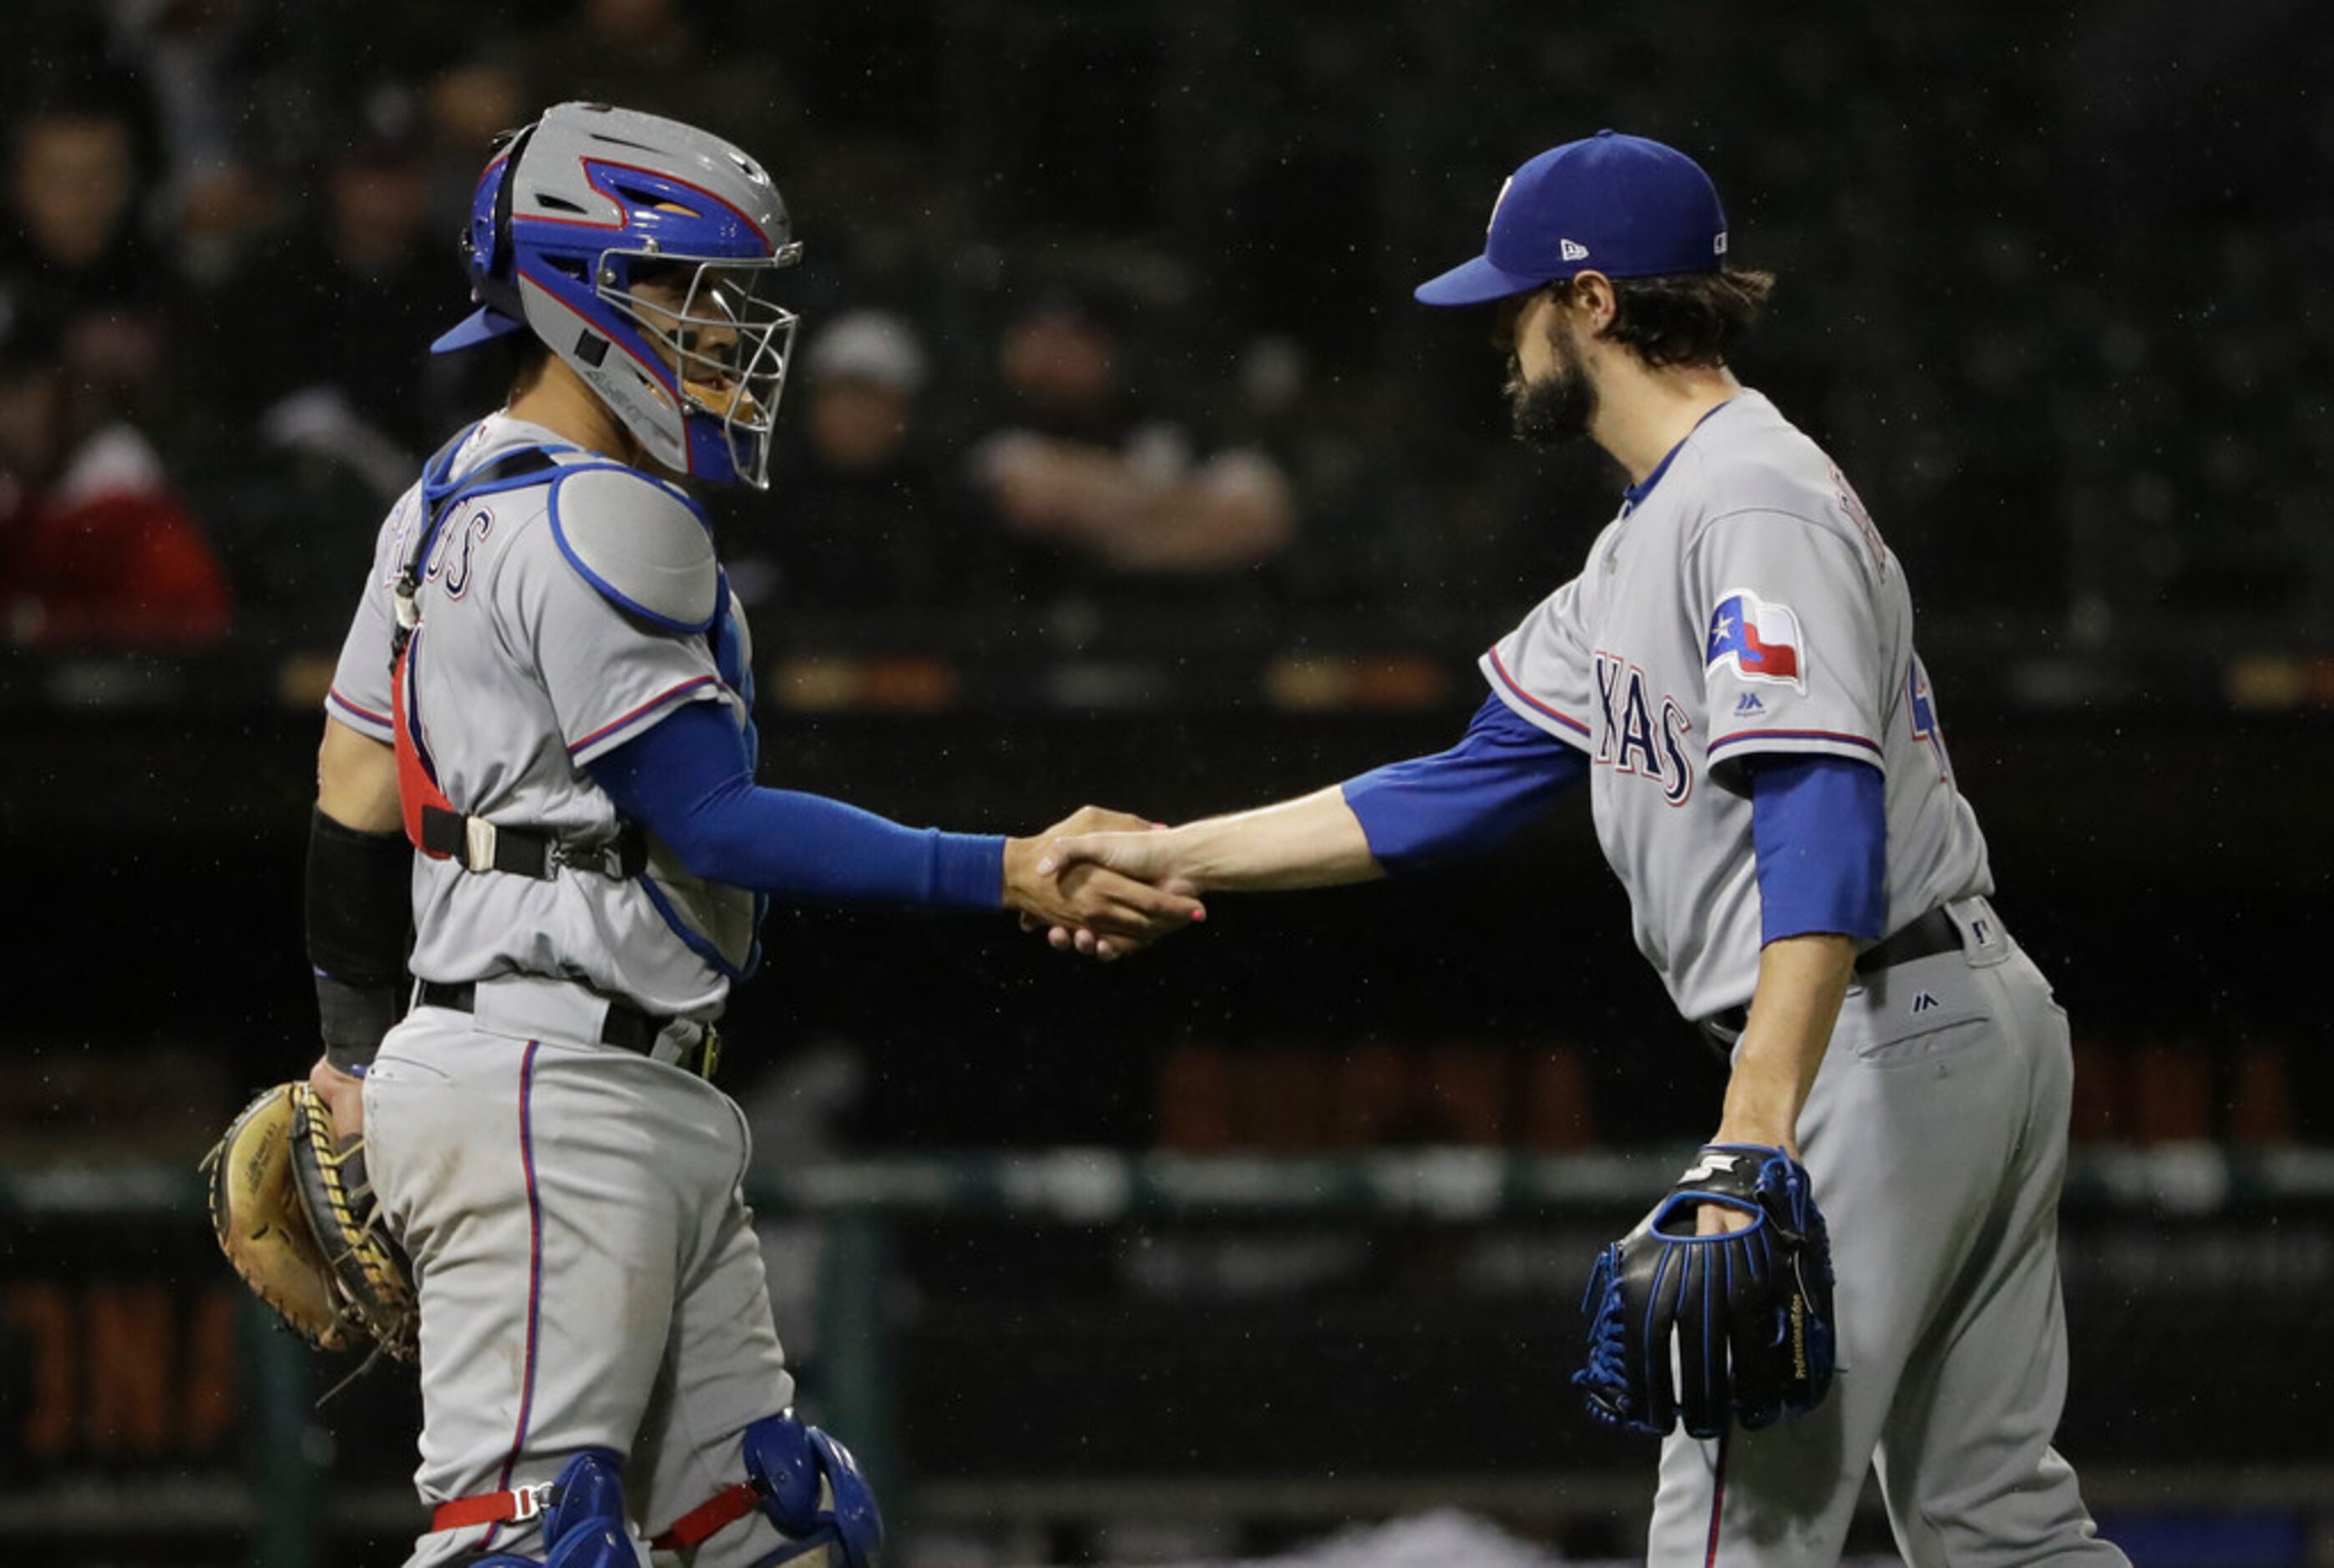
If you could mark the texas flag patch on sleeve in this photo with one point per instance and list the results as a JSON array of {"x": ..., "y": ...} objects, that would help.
[{"x": 1759, "y": 639}]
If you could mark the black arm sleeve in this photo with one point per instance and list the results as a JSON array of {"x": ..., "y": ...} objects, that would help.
[{"x": 360, "y": 911}]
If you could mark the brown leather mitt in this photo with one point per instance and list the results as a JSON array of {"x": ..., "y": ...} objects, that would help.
[{"x": 296, "y": 1215}]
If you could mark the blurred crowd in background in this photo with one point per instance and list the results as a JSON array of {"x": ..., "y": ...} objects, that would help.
[
  {"x": 229, "y": 239},
  {"x": 1112, "y": 428},
  {"x": 1105, "y": 312},
  {"x": 1117, "y": 463}
]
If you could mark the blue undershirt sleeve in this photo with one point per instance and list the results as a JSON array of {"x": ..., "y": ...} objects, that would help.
[
  {"x": 1819, "y": 826},
  {"x": 688, "y": 780},
  {"x": 1502, "y": 775}
]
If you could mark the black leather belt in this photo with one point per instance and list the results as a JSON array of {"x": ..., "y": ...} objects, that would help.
[
  {"x": 1924, "y": 938},
  {"x": 626, "y": 1027},
  {"x": 1931, "y": 934}
]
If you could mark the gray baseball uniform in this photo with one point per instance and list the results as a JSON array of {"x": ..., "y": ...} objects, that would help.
[
  {"x": 587, "y": 1268},
  {"x": 1745, "y": 605}
]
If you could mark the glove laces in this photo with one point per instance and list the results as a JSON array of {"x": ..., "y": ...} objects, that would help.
[{"x": 1606, "y": 1376}]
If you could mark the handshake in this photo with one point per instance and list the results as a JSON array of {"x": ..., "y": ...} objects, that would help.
[{"x": 1101, "y": 882}]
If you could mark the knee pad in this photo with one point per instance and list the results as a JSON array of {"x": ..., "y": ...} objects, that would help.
[
  {"x": 584, "y": 1522},
  {"x": 813, "y": 1490},
  {"x": 590, "y": 1497}
]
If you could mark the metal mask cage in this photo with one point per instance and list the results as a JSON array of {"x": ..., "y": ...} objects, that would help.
[{"x": 728, "y": 346}]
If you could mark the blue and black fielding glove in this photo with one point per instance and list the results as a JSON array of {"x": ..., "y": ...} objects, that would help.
[{"x": 1743, "y": 1319}]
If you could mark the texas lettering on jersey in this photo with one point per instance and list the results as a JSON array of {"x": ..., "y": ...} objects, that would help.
[
  {"x": 473, "y": 533},
  {"x": 1632, "y": 739}
]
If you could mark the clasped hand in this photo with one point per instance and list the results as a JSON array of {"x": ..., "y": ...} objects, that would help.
[{"x": 1101, "y": 882}]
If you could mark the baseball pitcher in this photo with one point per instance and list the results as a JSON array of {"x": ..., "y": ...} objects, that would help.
[{"x": 1861, "y": 1265}]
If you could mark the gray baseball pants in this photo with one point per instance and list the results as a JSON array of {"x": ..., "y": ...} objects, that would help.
[
  {"x": 1936, "y": 1137},
  {"x": 588, "y": 1271}
]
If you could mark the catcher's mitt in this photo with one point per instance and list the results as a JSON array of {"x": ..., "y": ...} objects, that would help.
[
  {"x": 1744, "y": 1318},
  {"x": 296, "y": 1217}
]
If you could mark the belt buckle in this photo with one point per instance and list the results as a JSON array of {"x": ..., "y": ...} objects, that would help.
[
  {"x": 567, "y": 856},
  {"x": 605, "y": 859}
]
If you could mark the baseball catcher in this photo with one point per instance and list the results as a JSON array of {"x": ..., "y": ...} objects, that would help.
[
  {"x": 540, "y": 759},
  {"x": 1742, "y": 1317}
]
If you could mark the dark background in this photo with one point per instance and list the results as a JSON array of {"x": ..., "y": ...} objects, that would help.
[{"x": 2053, "y": 291}]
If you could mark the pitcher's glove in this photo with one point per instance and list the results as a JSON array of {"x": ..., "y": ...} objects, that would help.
[
  {"x": 1749, "y": 1313},
  {"x": 296, "y": 1215}
]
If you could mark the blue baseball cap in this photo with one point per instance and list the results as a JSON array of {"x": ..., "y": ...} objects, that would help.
[{"x": 1618, "y": 205}]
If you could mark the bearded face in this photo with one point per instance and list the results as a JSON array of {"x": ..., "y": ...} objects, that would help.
[{"x": 1555, "y": 408}]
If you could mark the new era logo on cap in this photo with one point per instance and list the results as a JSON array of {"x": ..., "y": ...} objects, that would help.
[{"x": 1572, "y": 250}]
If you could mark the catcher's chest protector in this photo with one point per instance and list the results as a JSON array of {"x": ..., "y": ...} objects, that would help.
[{"x": 418, "y": 792}]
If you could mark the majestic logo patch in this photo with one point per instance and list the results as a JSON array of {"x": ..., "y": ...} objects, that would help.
[
  {"x": 1748, "y": 705},
  {"x": 1759, "y": 639},
  {"x": 1572, "y": 250}
]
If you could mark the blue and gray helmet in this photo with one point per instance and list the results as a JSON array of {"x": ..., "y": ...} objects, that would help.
[{"x": 582, "y": 210}]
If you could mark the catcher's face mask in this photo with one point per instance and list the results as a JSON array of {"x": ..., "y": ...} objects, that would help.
[{"x": 727, "y": 344}]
